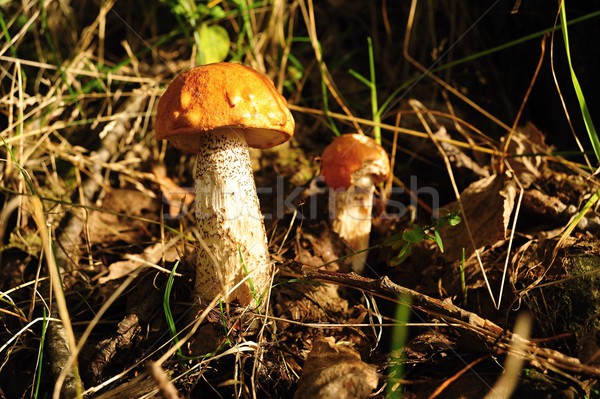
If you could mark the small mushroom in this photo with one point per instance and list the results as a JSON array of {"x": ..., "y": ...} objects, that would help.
[
  {"x": 351, "y": 166},
  {"x": 216, "y": 111}
]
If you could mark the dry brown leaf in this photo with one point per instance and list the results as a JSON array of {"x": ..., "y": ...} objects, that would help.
[
  {"x": 315, "y": 245},
  {"x": 335, "y": 371},
  {"x": 177, "y": 198},
  {"x": 461, "y": 162},
  {"x": 153, "y": 254},
  {"x": 488, "y": 204},
  {"x": 112, "y": 225},
  {"x": 526, "y": 141}
]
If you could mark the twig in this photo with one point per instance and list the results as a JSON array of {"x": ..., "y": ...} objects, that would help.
[
  {"x": 455, "y": 377},
  {"x": 495, "y": 336}
]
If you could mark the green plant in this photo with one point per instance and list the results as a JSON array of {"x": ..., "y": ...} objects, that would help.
[
  {"x": 223, "y": 317},
  {"x": 257, "y": 296},
  {"x": 167, "y": 309},
  {"x": 40, "y": 359},
  {"x": 585, "y": 112},
  {"x": 197, "y": 23},
  {"x": 372, "y": 85},
  {"x": 417, "y": 233},
  {"x": 399, "y": 338}
]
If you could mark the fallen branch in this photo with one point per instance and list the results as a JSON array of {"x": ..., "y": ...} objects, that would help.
[{"x": 499, "y": 339}]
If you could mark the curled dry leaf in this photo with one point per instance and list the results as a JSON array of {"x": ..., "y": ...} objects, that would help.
[
  {"x": 487, "y": 206},
  {"x": 335, "y": 371}
]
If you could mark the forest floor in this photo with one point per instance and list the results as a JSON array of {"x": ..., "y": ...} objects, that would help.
[{"x": 483, "y": 272}]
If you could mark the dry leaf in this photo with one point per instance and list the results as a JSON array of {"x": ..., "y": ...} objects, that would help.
[
  {"x": 461, "y": 162},
  {"x": 525, "y": 141},
  {"x": 177, "y": 198},
  {"x": 118, "y": 222},
  {"x": 315, "y": 245},
  {"x": 153, "y": 254},
  {"x": 335, "y": 371},
  {"x": 488, "y": 204}
]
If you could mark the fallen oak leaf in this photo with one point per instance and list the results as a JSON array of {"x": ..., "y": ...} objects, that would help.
[{"x": 525, "y": 143}]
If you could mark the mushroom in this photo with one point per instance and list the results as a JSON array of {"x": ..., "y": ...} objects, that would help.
[
  {"x": 351, "y": 166},
  {"x": 216, "y": 111}
]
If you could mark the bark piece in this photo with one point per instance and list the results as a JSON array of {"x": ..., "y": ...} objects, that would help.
[{"x": 144, "y": 302}]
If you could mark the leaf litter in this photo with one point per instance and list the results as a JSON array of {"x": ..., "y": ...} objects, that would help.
[{"x": 112, "y": 209}]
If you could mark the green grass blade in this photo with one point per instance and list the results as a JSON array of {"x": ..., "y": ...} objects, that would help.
[
  {"x": 256, "y": 296},
  {"x": 399, "y": 338},
  {"x": 374, "y": 106},
  {"x": 587, "y": 118},
  {"x": 360, "y": 78},
  {"x": 577, "y": 218},
  {"x": 6, "y": 33},
  {"x": 40, "y": 360},
  {"x": 167, "y": 309},
  {"x": 371, "y": 84}
]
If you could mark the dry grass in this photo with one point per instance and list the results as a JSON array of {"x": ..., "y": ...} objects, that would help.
[{"x": 79, "y": 190}]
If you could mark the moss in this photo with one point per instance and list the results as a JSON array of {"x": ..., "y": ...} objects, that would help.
[{"x": 569, "y": 296}]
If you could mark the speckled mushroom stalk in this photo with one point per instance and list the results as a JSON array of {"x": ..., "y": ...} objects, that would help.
[
  {"x": 217, "y": 111},
  {"x": 229, "y": 220},
  {"x": 352, "y": 165},
  {"x": 350, "y": 212}
]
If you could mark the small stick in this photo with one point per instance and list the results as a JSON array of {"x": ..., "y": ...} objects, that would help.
[{"x": 494, "y": 335}]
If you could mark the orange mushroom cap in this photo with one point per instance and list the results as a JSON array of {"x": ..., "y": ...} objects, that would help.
[
  {"x": 223, "y": 96},
  {"x": 351, "y": 156}
]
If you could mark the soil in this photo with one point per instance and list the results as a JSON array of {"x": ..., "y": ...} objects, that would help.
[{"x": 491, "y": 212}]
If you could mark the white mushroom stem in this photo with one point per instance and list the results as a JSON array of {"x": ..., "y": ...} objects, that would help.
[
  {"x": 350, "y": 211},
  {"x": 229, "y": 221}
]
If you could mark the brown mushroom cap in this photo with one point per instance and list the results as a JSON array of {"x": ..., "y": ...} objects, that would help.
[
  {"x": 351, "y": 156},
  {"x": 223, "y": 96}
]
